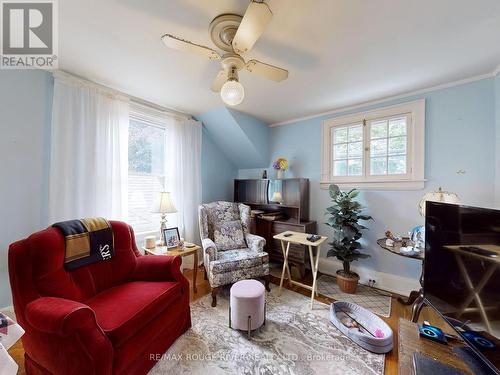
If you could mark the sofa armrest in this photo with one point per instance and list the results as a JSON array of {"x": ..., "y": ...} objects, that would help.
[
  {"x": 74, "y": 328},
  {"x": 255, "y": 243},
  {"x": 59, "y": 316},
  {"x": 209, "y": 250},
  {"x": 158, "y": 268}
]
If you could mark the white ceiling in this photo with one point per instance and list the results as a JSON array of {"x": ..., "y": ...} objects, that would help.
[{"x": 338, "y": 52}]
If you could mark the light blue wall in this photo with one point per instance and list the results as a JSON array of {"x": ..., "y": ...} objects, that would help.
[
  {"x": 459, "y": 136},
  {"x": 257, "y": 133},
  {"x": 497, "y": 158},
  {"x": 217, "y": 172},
  {"x": 25, "y": 111},
  {"x": 242, "y": 139}
]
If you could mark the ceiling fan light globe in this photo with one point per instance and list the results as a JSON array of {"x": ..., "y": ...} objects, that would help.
[{"x": 232, "y": 93}]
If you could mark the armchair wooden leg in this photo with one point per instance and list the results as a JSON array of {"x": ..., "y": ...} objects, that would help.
[
  {"x": 267, "y": 280},
  {"x": 205, "y": 269},
  {"x": 214, "y": 296}
]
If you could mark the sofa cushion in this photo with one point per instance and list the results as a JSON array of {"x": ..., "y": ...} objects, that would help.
[
  {"x": 125, "y": 309},
  {"x": 232, "y": 260},
  {"x": 229, "y": 235}
]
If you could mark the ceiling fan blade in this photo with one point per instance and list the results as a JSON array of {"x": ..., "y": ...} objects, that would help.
[
  {"x": 254, "y": 22},
  {"x": 267, "y": 71},
  {"x": 185, "y": 45},
  {"x": 218, "y": 81}
]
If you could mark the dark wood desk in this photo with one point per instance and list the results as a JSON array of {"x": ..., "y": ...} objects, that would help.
[{"x": 410, "y": 342}]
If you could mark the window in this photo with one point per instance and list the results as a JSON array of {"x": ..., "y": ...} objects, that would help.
[
  {"x": 146, "y": 171},
  {"x": 377, "y": 149}
]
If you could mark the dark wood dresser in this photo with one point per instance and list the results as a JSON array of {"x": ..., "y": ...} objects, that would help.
[{"x": 293, "y": 209}]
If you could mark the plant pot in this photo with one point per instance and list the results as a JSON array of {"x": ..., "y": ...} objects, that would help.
[
  {"x": 347, "y": 283},
  {"x": 280, "y": 174}
]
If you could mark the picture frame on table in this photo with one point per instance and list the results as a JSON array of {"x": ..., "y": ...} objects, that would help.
[{"x": 172, "y": 237}]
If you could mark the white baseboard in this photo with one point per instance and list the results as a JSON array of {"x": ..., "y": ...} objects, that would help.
[{"x": 385, "y": 281}]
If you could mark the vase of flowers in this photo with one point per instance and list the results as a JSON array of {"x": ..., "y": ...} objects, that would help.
[{"x": 280, "y": 165}]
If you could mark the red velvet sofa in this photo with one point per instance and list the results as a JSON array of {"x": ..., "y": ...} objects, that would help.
[{"x": 111, "y": 317}]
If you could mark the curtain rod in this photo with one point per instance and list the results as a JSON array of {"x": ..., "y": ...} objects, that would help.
[{"x": 135, "y": 100}]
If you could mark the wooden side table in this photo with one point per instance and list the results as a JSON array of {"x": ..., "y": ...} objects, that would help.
[
  {"x": 298, "y": 238},
  {"x": 182, "y": 252}
]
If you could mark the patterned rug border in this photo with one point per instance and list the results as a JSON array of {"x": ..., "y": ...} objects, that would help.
[{"x": 374, "y": 292}]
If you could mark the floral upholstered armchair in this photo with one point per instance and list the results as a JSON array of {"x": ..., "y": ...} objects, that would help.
[{"x": 230, "y": 252}]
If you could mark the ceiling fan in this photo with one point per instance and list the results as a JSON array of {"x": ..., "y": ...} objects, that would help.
[{"x": 234, "y": 35}]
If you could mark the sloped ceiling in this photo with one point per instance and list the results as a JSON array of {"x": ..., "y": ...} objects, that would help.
[
  {"x": 338, "y": 52},
  {"x": 243, "y": 139}
]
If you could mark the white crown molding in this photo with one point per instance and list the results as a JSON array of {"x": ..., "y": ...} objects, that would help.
[
  {"x": 497, "y": 71},
  {"x": 390, "y": 98}
]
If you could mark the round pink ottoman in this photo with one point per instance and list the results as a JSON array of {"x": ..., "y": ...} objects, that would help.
[{"x": 247, "y": 309}]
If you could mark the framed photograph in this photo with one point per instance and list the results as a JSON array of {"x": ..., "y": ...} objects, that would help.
[{"x": 172, "y": 237}]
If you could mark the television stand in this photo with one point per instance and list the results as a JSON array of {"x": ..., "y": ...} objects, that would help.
[{"x": 410, "y": 342}]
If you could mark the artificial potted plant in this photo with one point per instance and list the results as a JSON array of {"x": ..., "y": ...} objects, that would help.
[{"x": 344, "y": 217}]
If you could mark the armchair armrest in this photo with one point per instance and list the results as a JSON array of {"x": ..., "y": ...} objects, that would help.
[
  {"x": 158, "y": 268},
  {"x": 59, "y": 316},
  {"x": 255, "y": 243},
  {"x": 209, "y": 250}
]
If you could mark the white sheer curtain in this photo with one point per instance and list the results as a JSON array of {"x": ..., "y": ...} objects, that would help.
[
  {"x": 89, "y": 151},
  {"x": 183, "y": 177}
]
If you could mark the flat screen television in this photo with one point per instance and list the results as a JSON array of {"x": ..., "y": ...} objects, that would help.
[{"x": 462, "y": 275}]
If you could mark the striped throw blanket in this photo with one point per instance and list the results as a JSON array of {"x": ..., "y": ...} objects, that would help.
[{"x": 87, "y": 241}]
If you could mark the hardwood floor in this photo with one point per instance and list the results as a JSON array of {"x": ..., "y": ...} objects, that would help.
[{"x": 398, "y": 310}]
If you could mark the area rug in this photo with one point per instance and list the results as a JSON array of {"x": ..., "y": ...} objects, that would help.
[
  {"x": 294, "y": 340},
  {"x": 369, "y": 298}
]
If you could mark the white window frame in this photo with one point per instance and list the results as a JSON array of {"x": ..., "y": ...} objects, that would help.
[
  {"x": 154, "y": 118},
  {"x": 415, "y": 154}
]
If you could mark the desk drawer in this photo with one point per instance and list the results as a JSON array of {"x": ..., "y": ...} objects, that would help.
[{"x": 283, "y": 227}]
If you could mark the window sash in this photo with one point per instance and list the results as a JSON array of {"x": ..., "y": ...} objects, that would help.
[
  {"x": 366, "y": 149},
  {"x": 407, "y": 154},
  {"x": 414, "y": 113},
  {"x": 142, "y": 226},
  {"x": 346, "y": 142}
]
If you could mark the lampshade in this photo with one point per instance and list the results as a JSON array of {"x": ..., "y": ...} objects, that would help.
[
  {"x": 164, "y": 205},
  {"x": 232, "y": 92},
  {"x": 277, "y": 197},
  {"x": 438, "y": 196}
]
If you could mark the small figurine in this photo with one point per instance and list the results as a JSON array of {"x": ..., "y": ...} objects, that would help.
[
  {"x": 390, "y": 237},
  {"x": 417, "y": 235}
]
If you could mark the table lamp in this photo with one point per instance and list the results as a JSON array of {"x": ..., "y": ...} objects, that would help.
[
  {"x": 277, "y": 197},
  {"x": 437, "y": 196},
  {"x": 164, "y": 206}
]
